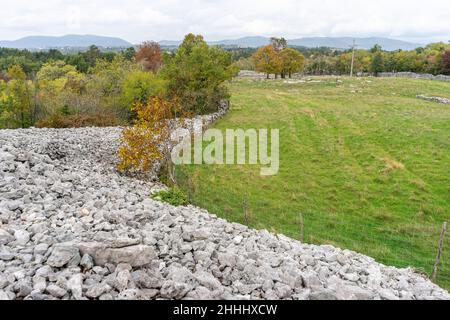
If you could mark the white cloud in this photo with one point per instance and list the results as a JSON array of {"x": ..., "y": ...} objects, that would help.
[
  {"x": 137, "y": 20},
  {"x": 152, "y": 17}
]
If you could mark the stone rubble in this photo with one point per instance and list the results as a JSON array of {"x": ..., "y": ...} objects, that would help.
[
  {"x": 71, "y": 227},
  {"x": 434, "y": 99}
]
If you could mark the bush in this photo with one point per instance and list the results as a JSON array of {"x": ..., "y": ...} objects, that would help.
[
  {"x": 144, "y": 144},
  {"x": 79, "y": 120},
  {"x": 139, "y": 86},
  {"x": 173, "y": 196}
]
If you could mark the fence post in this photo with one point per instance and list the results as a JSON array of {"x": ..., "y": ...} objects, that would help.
[
  {"x": 302, "y": 228},
  {"x": 190, "y": 189},
  {"x": 438, "y": 256},
  {"x": 245, "y": 209}
]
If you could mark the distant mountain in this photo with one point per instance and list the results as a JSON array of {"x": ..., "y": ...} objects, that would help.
[
  {"x": 346, "y": 42},
  {"x": 314, "y": 42},
  {"x": 83, "y": 41},
  {"x": 246, "y": 42},
  {"x": 169, "y": 43},
  {"x": 71, "y": 41}
]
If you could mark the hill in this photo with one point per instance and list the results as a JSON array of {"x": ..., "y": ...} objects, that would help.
[
  {"x": 313, "y": 42},
  {"x": 74, "y": 41}
]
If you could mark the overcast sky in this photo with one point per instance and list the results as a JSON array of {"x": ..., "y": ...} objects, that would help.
[{"x": 138, "y": 20}]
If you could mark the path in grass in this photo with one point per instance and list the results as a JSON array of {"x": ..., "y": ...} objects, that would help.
[{"x": 365, "y": 162}]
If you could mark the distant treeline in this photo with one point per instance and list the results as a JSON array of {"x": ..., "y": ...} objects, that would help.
[
  {"x": 98, "y": 88},
  {"x": 32, "y": 61},
  {"x": 433, "y": 59}
]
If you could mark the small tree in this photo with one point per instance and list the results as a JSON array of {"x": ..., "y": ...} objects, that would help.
[
  {"x": 149, "y": 56},
  {"x": 377, "y": 63},
  {"x": 267, "y": 60},
  {"x": 145, "y": 144},
  {"x": 129, "y": 53},
  {"x": 19, "y": 99},
  {"x": 292, "y": 61},
  {"x": 92, "y": 55},
  {"x": 446, "y": 62}
]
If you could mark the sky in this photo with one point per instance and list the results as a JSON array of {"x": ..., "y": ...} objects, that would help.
[{"x": 138, "y": 20}]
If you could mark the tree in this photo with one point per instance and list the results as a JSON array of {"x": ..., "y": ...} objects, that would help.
[
  {"x": 144, "y": 144},
  {"x": 54, "y": 54},
  {"x": 60, "y": 86},
  {"x": 16, "y": 73},
  {"x": 78, "y": 61},
  {"x": 55, "y": 70},
  {"x": 19, "y": 98},
  {"x": 267, "y": 60},
  {"x": 376, "y": 48},
  {"x": 292, "y": 61},
  {"x": 92, "y": 55},
  {"x": 377, "y": 63},
  {"x": 196, "y": 75},
  {"x": 129, "y": 53},
  {"x": 149, "y": 56},
  {"x": 446, "y": 62}
]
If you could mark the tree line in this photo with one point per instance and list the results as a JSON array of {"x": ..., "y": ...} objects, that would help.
[
  {"x": 272, "y": 59},
  {"x": 95, "y": 88}
]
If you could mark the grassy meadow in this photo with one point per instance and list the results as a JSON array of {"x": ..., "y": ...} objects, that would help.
[{"x": 363, "y": 162}]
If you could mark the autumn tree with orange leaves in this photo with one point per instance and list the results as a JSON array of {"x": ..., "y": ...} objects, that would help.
[{"x": 149, "y": 56}]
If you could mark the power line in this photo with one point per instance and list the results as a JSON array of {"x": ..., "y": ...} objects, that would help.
[{"x": 353, "y": 57}]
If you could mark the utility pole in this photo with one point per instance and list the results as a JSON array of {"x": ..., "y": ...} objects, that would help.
[{"x": 353, "y": 58}]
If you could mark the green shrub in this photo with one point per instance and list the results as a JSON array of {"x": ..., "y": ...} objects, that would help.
[
  {"x": 197, "y": 74},
  {"x": 173, "y": 196},
  {"x": 59, "y": 120}
]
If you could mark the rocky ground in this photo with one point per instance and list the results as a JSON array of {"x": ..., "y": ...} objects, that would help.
[{"x": 72, "y": 228}]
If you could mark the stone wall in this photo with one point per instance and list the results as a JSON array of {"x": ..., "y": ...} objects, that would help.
[{"x": 413, "y": 75}]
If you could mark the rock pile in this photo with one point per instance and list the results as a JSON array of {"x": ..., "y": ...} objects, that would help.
[
  {"x": 72, "y": 228},
  {"x": 434, "y": 99}
]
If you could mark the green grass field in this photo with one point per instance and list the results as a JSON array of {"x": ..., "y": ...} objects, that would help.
[{"x": 364, "y": 161}]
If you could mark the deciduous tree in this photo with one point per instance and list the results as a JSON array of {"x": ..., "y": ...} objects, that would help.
[
  {"x": 267, "y": 60},
  {"x": 377, "y": 63},
  {"x": 446, "y": 62},
  {"x": 197, "y": 73},
  {"x": 149, "y": 56},
  {"x": 19, "y": 97},
  {"x": 144, "y": 144},
  {"x": 292, "y": 61}
]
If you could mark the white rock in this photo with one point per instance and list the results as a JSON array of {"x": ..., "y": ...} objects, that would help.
[
  {"x": 5, "y": 237},
  {"x": 22, "y": 237}
]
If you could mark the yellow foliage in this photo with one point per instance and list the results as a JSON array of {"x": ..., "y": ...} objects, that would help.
[{"x": 143, "y": 145}]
